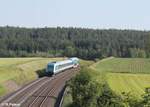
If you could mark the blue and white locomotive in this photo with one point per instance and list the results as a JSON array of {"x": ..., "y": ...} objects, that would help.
[{"x": 56, "y": 67}]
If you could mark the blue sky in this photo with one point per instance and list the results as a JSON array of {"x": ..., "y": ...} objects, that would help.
[{"x": 102, "y": 14}]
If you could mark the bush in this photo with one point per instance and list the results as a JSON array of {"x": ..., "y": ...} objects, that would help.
[
  {"x": 83, "y": 90},
  {"x": 87, "y": 92},
  {"x": 146, "y": 98}
]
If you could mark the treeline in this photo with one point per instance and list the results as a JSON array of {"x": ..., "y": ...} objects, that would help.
[
  {"x": 84, "y": 43},
  {"x": 86, "y": 91}
]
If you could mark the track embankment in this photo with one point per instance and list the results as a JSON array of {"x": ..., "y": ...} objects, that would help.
[{"x": 43, "y": 92}]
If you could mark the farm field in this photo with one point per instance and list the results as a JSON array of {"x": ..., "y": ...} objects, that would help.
[
  {"x": 18, "y": 71},
  {"x": 126, "y": 74},
  {"x": 123, "y": 65},
  {"x": 133, "y": 83}
]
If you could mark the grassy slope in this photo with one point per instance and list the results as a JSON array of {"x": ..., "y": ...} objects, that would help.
[
  {"x": 125, "y": 74},
  {"x": 124, "y": 65},
  {"x": 67, "y": 101},
  {"x": 85, "y": 63},
  {"x": 21, "y": 70}
]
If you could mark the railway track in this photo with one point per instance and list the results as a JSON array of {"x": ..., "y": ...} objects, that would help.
[
  {"x": 59, "y": 86},
  {"x": 41, "y": 93}
]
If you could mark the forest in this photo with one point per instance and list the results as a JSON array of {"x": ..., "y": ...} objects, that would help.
[{"x": 80, "y": 42}]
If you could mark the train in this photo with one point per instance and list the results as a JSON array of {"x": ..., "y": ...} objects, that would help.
[{"x": 59, "y": 66}]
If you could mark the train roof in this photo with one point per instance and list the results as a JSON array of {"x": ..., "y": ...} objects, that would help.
[
  {"x": 60, "y": 62},
  {"x": 63, "y": 62},
  {"x": 74, "y": 58}
]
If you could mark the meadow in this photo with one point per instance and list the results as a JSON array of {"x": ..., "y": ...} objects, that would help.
[
  {"x": 126, "y": 74},
  {"x": 124, "y": 65},
  {"x": 134, "y": 84}
]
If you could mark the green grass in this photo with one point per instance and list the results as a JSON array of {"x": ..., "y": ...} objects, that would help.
[
  {"x": 2, "y": 90},
  {"x": 123, "y": 65},
  {"x": 133, "y": 83},
  {"x": 67, "y": 101},
  {"x": 21, "y": 70},
  {"x": 126, "y": 74},
  {"x": 85, "y": 63}
]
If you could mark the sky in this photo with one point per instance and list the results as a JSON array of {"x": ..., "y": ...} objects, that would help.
[{"x": 97, "y": 14}]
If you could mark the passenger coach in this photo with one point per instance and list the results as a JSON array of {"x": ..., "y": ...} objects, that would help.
[{"x": 56, "y": 67}]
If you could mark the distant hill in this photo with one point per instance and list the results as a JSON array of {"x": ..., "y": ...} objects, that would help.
[{"x": 84, "y": 43}]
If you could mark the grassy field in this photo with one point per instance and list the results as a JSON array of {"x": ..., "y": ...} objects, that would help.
[
  {"x": 123, "y": 65},
  {"x": 20, "y": 70},
  {"x": 133, "y": 83},
  {"x": 126, "y": 74},
  {"x": 122, "y": 74},
  {"x": 85, "y": 63}
]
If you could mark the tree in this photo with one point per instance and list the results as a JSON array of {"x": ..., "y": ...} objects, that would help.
[
  {"x": 147, "y": 46},
  {"x": 137, "y": 53},
  {"x": 84, "y": 91},
  {"x": 141, "y": 54},
  {"x": 70, "y": 51},
  {"x": 133, "y": 53},
  {"x": 107, "y": 98},
  {"x": 130, "y": 101},
  {"x": 87, "y": 92},
  {"x": 83, "y": 43}
]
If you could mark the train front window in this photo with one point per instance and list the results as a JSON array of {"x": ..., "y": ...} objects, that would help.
[{"x": 50, "y": 68}]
